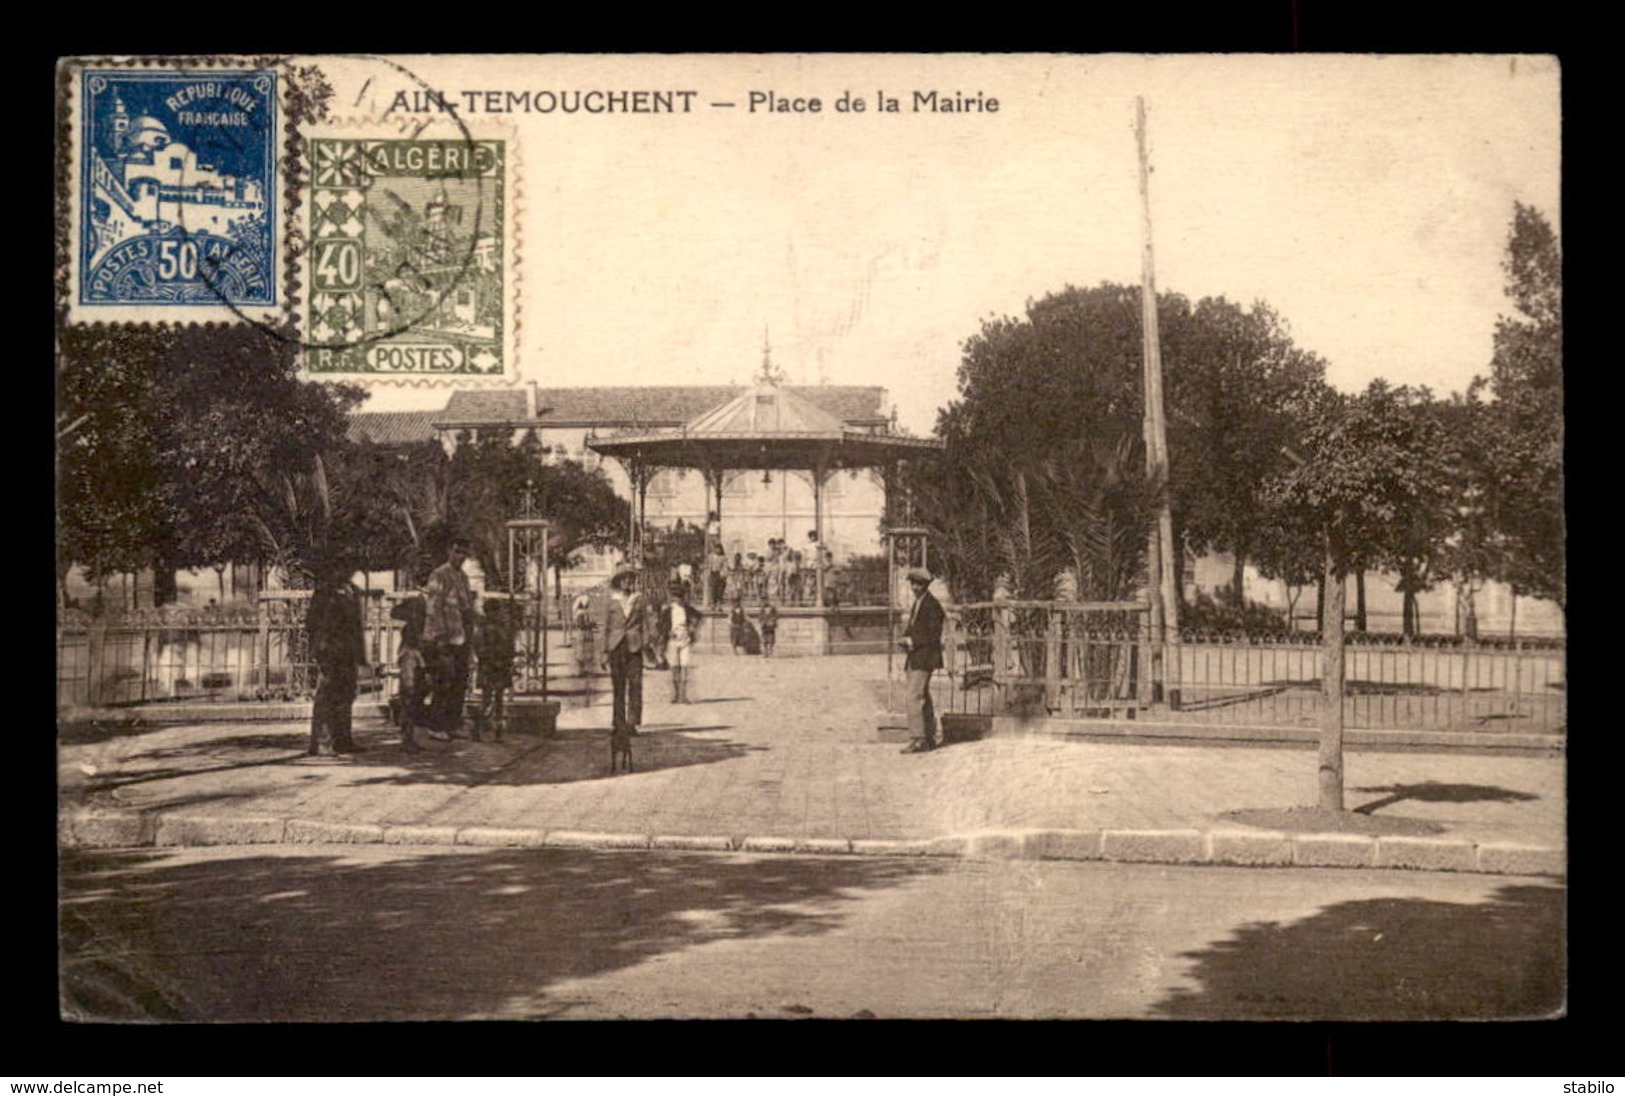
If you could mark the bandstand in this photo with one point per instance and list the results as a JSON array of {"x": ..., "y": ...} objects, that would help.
[{"x": 768, "y": 428}]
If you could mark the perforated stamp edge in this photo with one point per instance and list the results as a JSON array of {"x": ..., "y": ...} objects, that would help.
[
  {"x": 511, "y": 266},
  {"x": 294, "y": 99}
]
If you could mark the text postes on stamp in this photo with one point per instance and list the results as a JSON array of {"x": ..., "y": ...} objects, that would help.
[
  {"x": 177, "y": 194},
  {"x": 406, "y": 257}
]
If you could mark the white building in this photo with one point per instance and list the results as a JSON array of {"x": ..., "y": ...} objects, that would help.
[{"x": 150, "y": 182}]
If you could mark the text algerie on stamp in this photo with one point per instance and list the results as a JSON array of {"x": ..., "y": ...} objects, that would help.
[
  {"x": 407, "y": 256},
  {"x": 176, "y": 195}
]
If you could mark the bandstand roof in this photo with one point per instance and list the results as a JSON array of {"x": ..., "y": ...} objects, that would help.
[{"x": 767, "y": 426}]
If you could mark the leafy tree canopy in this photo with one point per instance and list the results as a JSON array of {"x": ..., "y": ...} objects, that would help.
[
  {"x": 1056, "y": 397},
  {"x": 166, "y": 434},
  {"x": 1525, "y": 467}
]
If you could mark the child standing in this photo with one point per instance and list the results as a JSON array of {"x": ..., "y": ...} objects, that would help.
[
  {"x": 768, "y": 622},
  {"x": 679, "y": 626},
  {"x": 495, "y": 673},
  {"x": 414, "y": 676},
  {"x": 738, "y": 627}
]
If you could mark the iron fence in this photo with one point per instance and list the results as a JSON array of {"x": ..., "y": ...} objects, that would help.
[
  {"x": 798, "y": 587},
  {"x": 1072, "y": 659},
  {"x": 1098, "y": 661},
  {"x": 257, "y": 653}
]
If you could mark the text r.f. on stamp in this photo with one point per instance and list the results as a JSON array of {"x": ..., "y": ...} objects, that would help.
[
  {"x": 406, "y": 257},
  {"x": 176, "y": 190}
]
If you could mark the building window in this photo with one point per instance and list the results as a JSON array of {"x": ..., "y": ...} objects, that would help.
[{"x": 175, "y": 163}]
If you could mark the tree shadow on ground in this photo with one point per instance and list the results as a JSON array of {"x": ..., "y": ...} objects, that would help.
[
  {"x": 228, "y": 753},
  {"x": 148, "y": 776},
  {"x": 232, "y": 746},
  {"x": 88, "y": 732},
  {"x": 1430, "y": 791},
  {"x": 421, "y": 936},
  {"x": 563, "y": 757},
  {"x": 1388, "y": 959}
]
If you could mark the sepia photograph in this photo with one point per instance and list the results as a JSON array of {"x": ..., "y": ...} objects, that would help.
[{"x": 810, "y": 536}]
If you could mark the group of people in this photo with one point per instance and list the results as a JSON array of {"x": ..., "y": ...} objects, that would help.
[
  {"x": 759, "y": 638},
  {"x": 782, "y": 574},
  {"x": 634, "y": 634},
  {"x": 440, "y": 628}
]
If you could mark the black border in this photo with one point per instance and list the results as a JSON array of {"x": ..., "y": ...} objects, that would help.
[{"x": 1572, "y": 1047}]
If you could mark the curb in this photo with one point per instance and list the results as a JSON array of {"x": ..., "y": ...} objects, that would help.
[
  {"x": 1248, "y": 734},
  {"x": 1231, "y": 847}
]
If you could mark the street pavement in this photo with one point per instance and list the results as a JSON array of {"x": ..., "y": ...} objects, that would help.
[
  {"x": 789, "y": 756},
  {"x": 375, "y": 932}
]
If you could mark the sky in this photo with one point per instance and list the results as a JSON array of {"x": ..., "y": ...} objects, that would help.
[{"x": 1366, "y": 199}]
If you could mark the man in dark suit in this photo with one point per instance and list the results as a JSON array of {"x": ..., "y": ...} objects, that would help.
[
  {"x": 338, "y": 646},
  {"x": 922, "y": 639},
  {"x": 627, "y": 625}
]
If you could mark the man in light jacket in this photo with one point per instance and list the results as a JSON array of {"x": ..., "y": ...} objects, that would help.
[{"x": 627, "y": 626}]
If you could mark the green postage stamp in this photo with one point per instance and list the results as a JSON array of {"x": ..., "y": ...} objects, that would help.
[{"x": 406, "y": 254}]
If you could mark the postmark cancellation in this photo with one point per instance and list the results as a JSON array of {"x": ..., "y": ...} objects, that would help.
[{"x": 408, "y": 255}]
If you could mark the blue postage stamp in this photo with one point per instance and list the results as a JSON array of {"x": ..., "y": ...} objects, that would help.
[{"x": 178, "y": 188}]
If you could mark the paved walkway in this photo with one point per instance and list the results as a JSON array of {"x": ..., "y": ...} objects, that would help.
[{"x": 786, "y": 755}]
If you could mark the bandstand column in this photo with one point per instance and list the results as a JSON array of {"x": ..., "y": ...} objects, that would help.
[
  {"x": 640, "y": 492},
  {"x": 820, "y": 475},
  {"x": 713, "y": 477}
]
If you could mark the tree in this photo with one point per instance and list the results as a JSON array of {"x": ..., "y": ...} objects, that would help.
[
  {"x": 1525, "y": 485},
  {"x": 985, "y": 528},
  {"x": 172, "y": 431},
  {"x": 1290, "y": 548},
  {"x": 583, "y": 511},
  {"x": 1369, "y": 480},
  {"x": 1473, "y": 550},
  {"x": 1239, "y": 392},
  {"x": 487, "y": 482},
  {"x": 1061, "y": 388},
  {"x": 1424, "y": 486}
]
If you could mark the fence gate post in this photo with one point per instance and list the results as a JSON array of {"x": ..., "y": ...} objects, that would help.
[
  {"x": 1001, "y": 643},
  {"x": 1143, "y": 676},
  {"x": 1052, "y": 659},
  {"x": 263, "y": 649},
  {"x": 95, "y": 644}
]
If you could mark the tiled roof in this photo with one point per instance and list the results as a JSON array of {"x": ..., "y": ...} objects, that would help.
[
  {"x": 653, "y": 406},
  {"x": 765, "y": 410},
  {"x": 469, "y": 406},
  {"x": 673, "y": 405},
  {"x": 392, "y": 427}
]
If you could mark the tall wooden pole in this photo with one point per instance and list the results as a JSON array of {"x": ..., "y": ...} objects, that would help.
[
  {"x": 1332, "y": 673},
  {"x": 1160, "y": 549}
]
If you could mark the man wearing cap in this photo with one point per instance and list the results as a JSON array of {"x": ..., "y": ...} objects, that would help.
[
  {"x": 627, "y": 626},
  {"x": 922, "y": 639}
]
